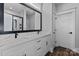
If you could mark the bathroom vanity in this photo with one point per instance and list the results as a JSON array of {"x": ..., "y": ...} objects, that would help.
[{"x": 21, "y": 32}]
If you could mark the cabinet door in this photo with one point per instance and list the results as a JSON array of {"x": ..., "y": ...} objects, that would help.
[
  {"x": 31, "y": 49},
  {"x": 48, "y": 43},
  {"x": 18, "y": 50},
  {"x": 42, "y": 50},
  {"x": 37, "y": 47}
]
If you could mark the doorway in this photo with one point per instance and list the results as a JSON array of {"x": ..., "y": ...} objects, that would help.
[{"x": 65, "y": 28}]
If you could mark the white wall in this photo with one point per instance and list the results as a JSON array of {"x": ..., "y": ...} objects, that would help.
[
  {"x": 47, "y": 19},
  {"x": 66, "y": 6}
]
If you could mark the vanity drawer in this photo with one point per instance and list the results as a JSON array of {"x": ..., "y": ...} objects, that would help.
[
  {"x": 41, "y": 51},
  {"x": 36, "y": 48},
  {"x": 32, "y": 47}
]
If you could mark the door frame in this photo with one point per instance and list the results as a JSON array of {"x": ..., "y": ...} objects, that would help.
[{"x": 64, "y": 12}]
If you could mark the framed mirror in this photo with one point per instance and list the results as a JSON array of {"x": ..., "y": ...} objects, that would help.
[{"x": 19, "y": 17}]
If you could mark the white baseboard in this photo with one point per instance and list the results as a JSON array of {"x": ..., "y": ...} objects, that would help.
[
  {"x": 51, "y": 50},
  {"x": 75, "y": 49}
]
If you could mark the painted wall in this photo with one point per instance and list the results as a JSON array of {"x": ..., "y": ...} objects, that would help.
[
  {"x": 47, "y": 19},
  {"x": 66, "y": 6}
]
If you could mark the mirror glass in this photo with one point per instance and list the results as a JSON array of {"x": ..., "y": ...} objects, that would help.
[{"x": 18, "y": 17}]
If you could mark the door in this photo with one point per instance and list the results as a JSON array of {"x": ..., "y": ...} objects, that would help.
[{"x": 65, "y": 29}]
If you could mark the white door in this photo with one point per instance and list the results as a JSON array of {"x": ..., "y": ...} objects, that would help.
[{"x": 65, "y": 29}]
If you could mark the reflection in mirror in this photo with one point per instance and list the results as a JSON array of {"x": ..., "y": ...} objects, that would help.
[
  {"x": 30, "y": 22},
  {"x": 18, "y": 17},
  {"x": 7, "y": 22},
  {"x": 37, "y": 21},
  {"x": 33, "y": 20},
  {"x": 13, "y": 17},
  {"x": 17, "y": 23}
]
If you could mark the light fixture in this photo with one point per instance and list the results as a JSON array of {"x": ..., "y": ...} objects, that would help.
[{"x": 11, "y": 8}]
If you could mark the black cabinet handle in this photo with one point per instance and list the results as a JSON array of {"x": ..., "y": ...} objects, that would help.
[
  {"x": 24, "y": 55},
  {"x": 46, "y": 43},
  {"x": 39, "y": 41},
  {"x": 53, "y": 32},
  {"x": 38, "y": 48}
]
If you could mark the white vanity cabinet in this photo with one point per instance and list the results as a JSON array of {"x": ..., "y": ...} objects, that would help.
[{"x": 36, "y": 47}]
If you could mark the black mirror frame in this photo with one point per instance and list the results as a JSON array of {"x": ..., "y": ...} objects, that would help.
[{"x": 11, "y": 32}]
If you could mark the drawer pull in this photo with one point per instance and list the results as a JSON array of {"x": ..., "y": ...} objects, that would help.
[
  {"x": 39, "y": 41},
  {"x": 46, "y": 43},
  {"x": 38, "y": 48},
  {"x": 25, "y": 55}
]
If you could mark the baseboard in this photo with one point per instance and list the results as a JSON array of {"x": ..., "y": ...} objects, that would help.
[
  {"x": 75, "y": 49},
  {"x": 51, "y": 49}
]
